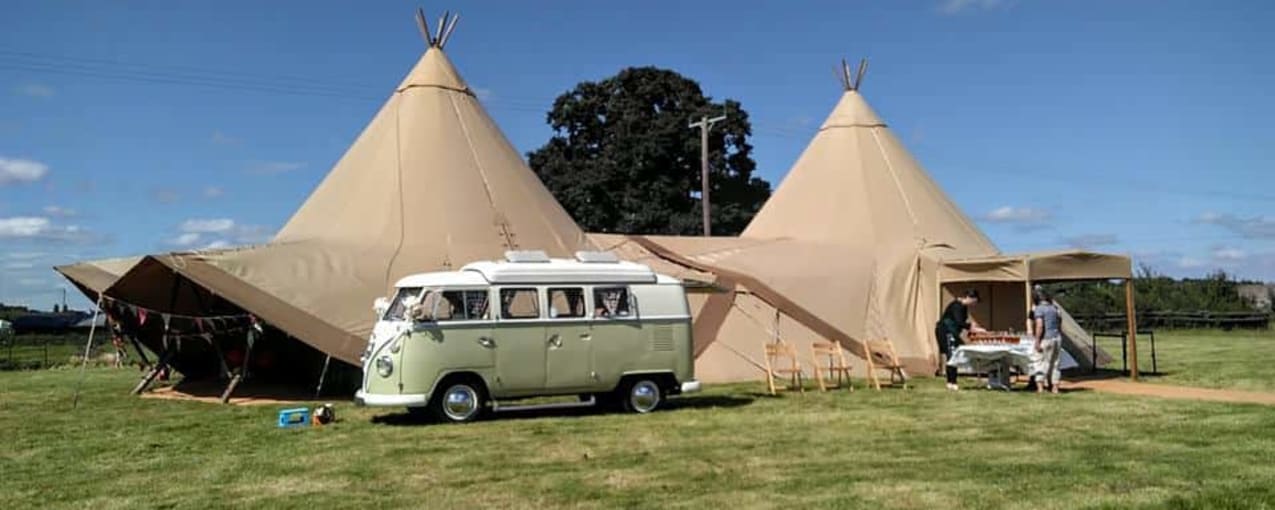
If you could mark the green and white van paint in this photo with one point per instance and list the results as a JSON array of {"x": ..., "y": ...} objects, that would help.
[{"x": 454, "y": 343}]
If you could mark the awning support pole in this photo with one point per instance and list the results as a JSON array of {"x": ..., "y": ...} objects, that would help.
[
  {"x": 1132, "y": 318},
  {"x": 88, "y": 346},
  {"x": 319, "y": 389},
  {"x": 154, "y": 371},
  {"x": 243, "y": 370}
]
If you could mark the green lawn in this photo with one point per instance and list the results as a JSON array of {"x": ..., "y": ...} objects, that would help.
[
  {"x": 921, "y": 448},
  {"x": 1241, "y": 360}
]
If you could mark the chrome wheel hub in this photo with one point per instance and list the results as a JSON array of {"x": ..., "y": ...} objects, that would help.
[
  {"x": 645, "y": 396},
  {"x": 460, "y": 402}
]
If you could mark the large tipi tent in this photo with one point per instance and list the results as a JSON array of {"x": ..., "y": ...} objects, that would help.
[
  {"x": 850, "y": 247},
  {"x": 431, "y": 183}
]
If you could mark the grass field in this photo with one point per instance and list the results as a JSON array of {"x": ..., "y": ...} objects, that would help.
[
  {"x": 730, "y": 447},
  {"x": 1242, "y": 360}
]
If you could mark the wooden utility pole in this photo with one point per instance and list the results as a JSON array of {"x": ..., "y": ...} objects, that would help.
[{"x": 704, "y": 124}]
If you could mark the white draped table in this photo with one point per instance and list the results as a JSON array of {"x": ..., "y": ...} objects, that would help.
[{"x": 996, "y": 360}]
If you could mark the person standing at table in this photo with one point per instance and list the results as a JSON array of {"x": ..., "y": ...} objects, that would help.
[
  {"x": 952, "y": 329},
  {"x": 1047, "y": 329}
]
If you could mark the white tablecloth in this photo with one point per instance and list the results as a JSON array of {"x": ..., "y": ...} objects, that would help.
[{"x": 988, "y": 358}]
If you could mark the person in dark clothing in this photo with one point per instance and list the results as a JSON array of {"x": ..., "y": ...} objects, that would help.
[{"x": 951, "y": 329}]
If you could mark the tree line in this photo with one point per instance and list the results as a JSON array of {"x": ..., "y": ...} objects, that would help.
[{"x": 1218, "y": 292}]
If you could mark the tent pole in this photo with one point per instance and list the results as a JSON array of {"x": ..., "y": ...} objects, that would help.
[
  {"x": 243, "y": 370},
  {"x": 150, "y": 376},
  {"x": 75, "y": 401},
  {"x": 319, "y": 389},
  {"x": 1132, "y": 318}
]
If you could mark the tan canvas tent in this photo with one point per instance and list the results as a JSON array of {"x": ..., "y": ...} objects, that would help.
[
  {"x": 94, "y": 277},
  {"x": 856, "y": 237},
  {"x": 431, "y": 183}
]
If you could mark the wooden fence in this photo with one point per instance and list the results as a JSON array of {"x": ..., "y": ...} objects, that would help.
[{"x": 1177, "y": 320}]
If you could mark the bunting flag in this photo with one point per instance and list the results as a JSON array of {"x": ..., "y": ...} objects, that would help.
[{"x": 141, "y": 316}]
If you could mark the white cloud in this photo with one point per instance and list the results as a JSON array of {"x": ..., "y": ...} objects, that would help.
[
  {"x": 35, "y": 90},
  {"x": 21, "y": 170},
  {"x": 1011, "y": 214},
  {"x": 1090, "y": 240},
  {"x": 59, "y": 212},
  {"x": 1021, "y": 218},
  {"x": 186, "y": 239},
  {"x": 959, "y": 6},
  {"x": 166, "y": 196},
  {"x": 274, "y": 167},
  {"x": 1229, "y": 254},
  {"x": 208, "y": 226},
  {"x": 1190, "y": 263},
  {"x": 25, "y": 255},
  {"x": 35, "y": 227},
  {"x": 32, "y": 282},
  {"x": 218, "y": 233},
  {"x": 19, "y": 266},
  {"x": 219, "y": 138},
  {"x": 23, "y": 226},
  {"x": 214, "y": 192},
  {"x": 1256, "y": 227}
]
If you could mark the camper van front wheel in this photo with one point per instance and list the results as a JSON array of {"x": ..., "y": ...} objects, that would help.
[
  {"x": 643, "y": 396},
  {"x": 460, "y": 401}
]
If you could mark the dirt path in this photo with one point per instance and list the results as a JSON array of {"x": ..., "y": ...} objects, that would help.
[{"x": 1179, "y": 392}]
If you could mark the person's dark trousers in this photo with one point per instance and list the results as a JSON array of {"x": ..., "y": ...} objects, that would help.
[{"x": 949, "y": 369}]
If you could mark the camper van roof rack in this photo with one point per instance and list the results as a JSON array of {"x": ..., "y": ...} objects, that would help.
[
  {"x": 596, "y": 256},
  {"x": 526, "y": 256}
]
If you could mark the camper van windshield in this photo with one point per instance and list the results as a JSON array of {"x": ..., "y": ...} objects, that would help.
[{"x": 398, "y": 310}]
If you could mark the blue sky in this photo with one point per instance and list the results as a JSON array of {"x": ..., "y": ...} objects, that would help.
[{"x": 1140, "y": 127}]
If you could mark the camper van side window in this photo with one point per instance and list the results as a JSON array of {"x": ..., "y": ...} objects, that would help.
[
  {"x": 519, "y": 304},
  {"x": 475, "y": 305},
  {"x": 612, "y": 303},
  {"x": 566, "y": 303}
]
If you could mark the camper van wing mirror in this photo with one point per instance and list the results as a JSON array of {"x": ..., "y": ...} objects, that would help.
[{"x": 380, "y": 305}]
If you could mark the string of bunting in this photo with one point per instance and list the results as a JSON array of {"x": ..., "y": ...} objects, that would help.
[
  {"x": 207, "y": 325},
  {"x": 142, "y": 313}
]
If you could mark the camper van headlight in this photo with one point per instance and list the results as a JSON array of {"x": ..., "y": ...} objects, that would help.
[{"x": 384, "y": 366}]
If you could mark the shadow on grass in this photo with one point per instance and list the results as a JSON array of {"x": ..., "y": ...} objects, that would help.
[
  {"x": 673, "y": 405},
  {"x": 1109, "y": 373}
]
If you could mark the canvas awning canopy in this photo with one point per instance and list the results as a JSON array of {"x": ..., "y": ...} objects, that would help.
[
  {"x": 94, "y": 277},
  {"x": 1037, "y": 267}
]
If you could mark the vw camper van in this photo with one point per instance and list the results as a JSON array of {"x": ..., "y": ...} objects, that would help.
[{"x": 457, "y": 344}]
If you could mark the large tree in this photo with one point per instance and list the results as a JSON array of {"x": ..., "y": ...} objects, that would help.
[{"x": 623, "y": 160}]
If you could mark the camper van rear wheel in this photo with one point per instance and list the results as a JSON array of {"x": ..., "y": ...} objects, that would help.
[
  {"x": 643, "y": 396},
  {"x": 460, "y": 401}
]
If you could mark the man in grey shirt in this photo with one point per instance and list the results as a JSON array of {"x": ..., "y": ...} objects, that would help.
[{"x": 1048, "y": 332}]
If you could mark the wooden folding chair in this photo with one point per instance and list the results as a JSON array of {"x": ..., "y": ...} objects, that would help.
[
  {"x": 836, "y": 372},
  {"x": 775, "y": 353},
  {"x": 881, "y": 356}
]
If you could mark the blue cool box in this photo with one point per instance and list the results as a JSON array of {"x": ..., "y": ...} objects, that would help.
[{"x": 296, "y": 417}]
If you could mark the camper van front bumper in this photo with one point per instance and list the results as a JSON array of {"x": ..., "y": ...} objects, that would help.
[
  {"x": 690, "y": 387},
  {"x": 381, "y": 400}
]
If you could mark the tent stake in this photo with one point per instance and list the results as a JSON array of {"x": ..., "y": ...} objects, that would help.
[{"x": 75, "y": 401}]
